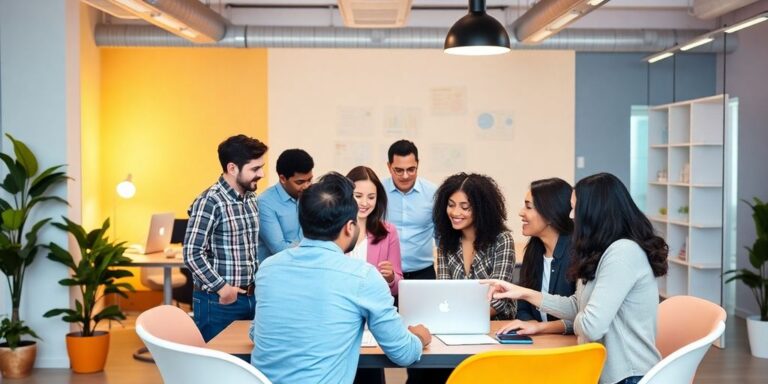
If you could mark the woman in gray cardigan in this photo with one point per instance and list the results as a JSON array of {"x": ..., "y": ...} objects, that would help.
[{"x": 616, "y": 259}]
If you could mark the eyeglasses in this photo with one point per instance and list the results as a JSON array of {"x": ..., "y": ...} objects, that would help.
[{"x": 400, "y": 171}]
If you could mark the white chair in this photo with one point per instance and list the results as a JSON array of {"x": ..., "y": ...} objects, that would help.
[
  {"x": 680, "y": 366},
  {"x": 178, "y": 349}
]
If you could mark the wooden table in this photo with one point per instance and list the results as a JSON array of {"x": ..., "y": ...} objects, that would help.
[
  {"x": 234, "y": 340},
  {"x": 159, "y": 260}
]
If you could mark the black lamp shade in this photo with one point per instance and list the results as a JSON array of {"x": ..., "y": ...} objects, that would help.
[{"x": 475, "y": 31}]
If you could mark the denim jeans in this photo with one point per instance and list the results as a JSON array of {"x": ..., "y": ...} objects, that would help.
[
  {"x": 212, "y": 317},
  {"x": 631, "y": 380}
]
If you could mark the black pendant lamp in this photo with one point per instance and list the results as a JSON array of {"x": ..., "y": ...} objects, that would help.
[{"x": 477, "y": 34}]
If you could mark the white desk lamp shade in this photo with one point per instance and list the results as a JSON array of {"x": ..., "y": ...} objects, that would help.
[{"x": 126, "y": 189}]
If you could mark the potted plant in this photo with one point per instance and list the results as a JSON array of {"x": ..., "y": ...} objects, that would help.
[
  {"x": 25, "y": 188},
  {"x": 16, "y": 355},
  {"x": 757, "y": 281},
  {"x": 96, "y": 277}
]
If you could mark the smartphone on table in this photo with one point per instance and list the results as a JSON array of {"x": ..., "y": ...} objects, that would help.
[{"x": 513, "y": 338}]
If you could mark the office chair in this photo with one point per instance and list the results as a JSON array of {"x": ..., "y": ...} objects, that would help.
[
  {"x": 180, "y": 353},
  {"x": 576, "y": 364}
]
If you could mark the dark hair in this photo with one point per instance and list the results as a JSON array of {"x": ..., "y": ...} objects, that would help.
[
  {"x": 375, "y": 222},
  {"x": 293, "y": 161},
  {"x": 552, "y": 200},
  {"x": 239, "y": 150},
  {"x": 488, "y": 210},
  {"x": 326, "y": 207},
  {"x": 402, "y": 148},
  {"x": 606, "y": 213}
]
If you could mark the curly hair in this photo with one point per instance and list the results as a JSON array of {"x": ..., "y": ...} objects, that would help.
[
  {"x": 604, "y": 214},
  {"x": 375, "y": 223},
  {"x": 552, "y": 200},
  {"x": 488, "y": 210}
]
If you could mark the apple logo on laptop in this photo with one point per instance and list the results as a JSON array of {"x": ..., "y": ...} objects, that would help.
[
  {"x": 444, "y": 306},
  {"x": 161, "y": 231}
]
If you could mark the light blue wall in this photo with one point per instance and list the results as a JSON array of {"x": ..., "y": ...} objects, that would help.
[{"x": 608, "y": 84}]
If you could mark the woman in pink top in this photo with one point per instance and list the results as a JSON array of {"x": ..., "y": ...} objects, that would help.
[{"x": 383, "y": 250}]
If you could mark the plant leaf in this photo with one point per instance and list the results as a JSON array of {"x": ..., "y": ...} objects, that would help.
[
  {"x": 12, "y": 219},
  {"x": 24, "y": 156}
]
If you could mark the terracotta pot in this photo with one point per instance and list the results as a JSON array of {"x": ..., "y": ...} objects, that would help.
[
  {"x": 88, "y": 354},
  {"x": 17, "y": 363}
]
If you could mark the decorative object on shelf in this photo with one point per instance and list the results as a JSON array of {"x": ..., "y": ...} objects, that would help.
[
  {"x": 663, "y": 211},
  {"x": 683, "y": 211},
  {"x": 661, "y": 176},
  {"x": 25, "y": 189},
  {"x": 96, "y": 277},
  {"x": 683, "y": 254},
  {"x": 685, "y": 173},
  {"x": 757, "y": 281},
  {"x": 17, "y": 356}
]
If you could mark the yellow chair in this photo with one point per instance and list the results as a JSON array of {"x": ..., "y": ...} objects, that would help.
[{"x": 573, "y": 365}]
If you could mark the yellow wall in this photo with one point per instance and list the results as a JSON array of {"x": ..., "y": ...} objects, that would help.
[{"x": 163, "y": 113}]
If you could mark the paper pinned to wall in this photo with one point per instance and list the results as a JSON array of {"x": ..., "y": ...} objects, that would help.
[
  {"x": 350, "y": 154},
  {"x": 354, "y": 121},
  {"x": 447, "y": 157},
  {"x": 494, "y": 125},
  {"x": 402, "y": 121},
  {"x": 448, "y": 101}
]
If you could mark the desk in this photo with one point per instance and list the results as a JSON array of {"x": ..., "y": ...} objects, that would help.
[
  {"x": 234, "y": 340},
  {"x": 159, "y": 260}
]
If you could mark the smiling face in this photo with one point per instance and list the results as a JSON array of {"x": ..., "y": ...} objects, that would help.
[
  {"x": 460, "y": 211},
  {"x": 365, "y": 195},
  {"x": 533, "y": 223},
  {"x": 247, "y": 176}
]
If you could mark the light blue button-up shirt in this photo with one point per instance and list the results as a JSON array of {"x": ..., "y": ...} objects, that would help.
[
  {"x": 312, "y": 302},
  {"x": 411, "y": 213},
  {"x": 278, "y": 222}
]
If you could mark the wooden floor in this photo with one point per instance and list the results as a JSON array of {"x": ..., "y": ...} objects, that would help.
[{"x": 731, "y": 365}]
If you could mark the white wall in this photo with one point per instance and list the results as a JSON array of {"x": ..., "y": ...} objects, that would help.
[
  {"x": 342, "y": 106},
  {"x": 39, "y": 50}
]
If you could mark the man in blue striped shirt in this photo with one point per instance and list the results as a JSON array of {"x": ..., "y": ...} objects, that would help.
[{"x": 222, "y": 237}]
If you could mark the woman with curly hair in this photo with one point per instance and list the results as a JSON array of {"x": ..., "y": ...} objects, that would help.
[
  {"x": 617, "y": 257},
  {"x": 472, "y": 240}
]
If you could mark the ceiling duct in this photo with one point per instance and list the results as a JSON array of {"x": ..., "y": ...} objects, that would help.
[
  {"x": 710, "y": 9},
  {"x": 111, "y": 8},
  {"x": 548, "y": 17},
  {"x": 585, "y": 40},
  {"x": 375, "y": 13}
]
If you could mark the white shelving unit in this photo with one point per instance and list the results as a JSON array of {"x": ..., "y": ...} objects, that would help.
[{"x": 686, "y": 207}]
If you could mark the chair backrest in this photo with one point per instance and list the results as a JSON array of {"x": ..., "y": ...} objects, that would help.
[
  {"x": 680, "y": 366},
  {"x": 171, "y": 324},
  {"x": 181, "y": 363},
  {"x": 683, "y": 320},
  {"x": 576, "y": 364}
]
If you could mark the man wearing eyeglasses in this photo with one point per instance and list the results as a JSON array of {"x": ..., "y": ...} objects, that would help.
[{"x": 409, "y": 208}]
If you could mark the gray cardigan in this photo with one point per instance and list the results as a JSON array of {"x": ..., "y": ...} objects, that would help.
[{"x": 617, "y": 309}]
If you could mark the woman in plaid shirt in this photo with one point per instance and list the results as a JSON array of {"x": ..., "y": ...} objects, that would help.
[{"x": 472, "y": 240}]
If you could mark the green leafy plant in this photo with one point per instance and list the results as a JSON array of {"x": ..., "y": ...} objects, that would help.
[
  {"x": 12, "y": 331},
  {"x": 683, "y": 210},
  {"x": 663, "y": 211},
  {"x": 95, "y": 275},
  {"x": 757, "y": 281},
  {"x": 25, "y": 189}
]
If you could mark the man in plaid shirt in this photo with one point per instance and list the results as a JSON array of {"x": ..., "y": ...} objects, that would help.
[{"x": 221, "y": 240}]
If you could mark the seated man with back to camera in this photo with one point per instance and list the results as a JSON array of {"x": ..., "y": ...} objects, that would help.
[{"x": 313, "y": 301}]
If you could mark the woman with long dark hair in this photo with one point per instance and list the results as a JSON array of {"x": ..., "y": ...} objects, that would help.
[
  {"x": 617, "y": 257},
  {"x": 547, "y": 257},
  {"x": 383, "y": 245},
  {"x": 472, "y": 240}
]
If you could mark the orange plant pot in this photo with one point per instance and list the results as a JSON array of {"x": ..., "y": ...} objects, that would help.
[{"x": 88, "y": 354}]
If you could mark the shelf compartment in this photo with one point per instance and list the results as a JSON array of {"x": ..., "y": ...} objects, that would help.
[
  {"x": 708, "y": 120},
  {"x": 706, "y": 207},
  {"x": 677, "y": 199},
  {"x": 679, "y": 124},
  {"x": 677, "y": 280},
  {"x": 707, "y": 165},
  {"x": 658, "y": 133},
  {"x": 705, "y": 283},
  {"x": 705, "y": 246}
]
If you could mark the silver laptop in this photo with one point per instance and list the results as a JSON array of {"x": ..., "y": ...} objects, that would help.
[
  {"x": 160, "y": 229},
  {"x": 447, "y": 307}
]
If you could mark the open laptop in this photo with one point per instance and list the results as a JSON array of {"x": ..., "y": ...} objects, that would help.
[
  {"x": 446, "y": 307},
  {"x": 160, "y": 230}
]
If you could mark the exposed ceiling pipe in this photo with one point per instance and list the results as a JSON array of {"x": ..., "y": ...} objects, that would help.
[
  {"x": 587, "y": 40},
  {"x": 548, "y": 17}
]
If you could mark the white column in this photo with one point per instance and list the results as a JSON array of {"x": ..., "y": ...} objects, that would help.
[{"x": 40, "y": 105}]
